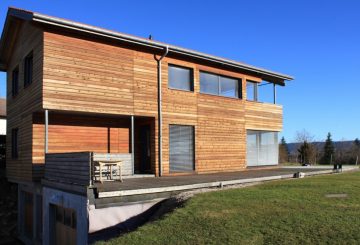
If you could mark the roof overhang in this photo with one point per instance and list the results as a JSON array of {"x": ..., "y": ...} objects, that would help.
[{"x": 14, "y": 13}]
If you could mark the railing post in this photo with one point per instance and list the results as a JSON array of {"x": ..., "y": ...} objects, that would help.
[
  {"x": 274, "y": 93},
  {"x": 46, "y": 131},
  {"x": 132, "y": 145}
]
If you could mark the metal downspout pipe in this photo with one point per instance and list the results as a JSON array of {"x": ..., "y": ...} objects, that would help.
[{"x": 160, "y": 107}]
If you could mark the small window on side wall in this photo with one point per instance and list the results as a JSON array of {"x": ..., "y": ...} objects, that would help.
[
  {"x": 15, "y": 82},
  {"x": 251, "y": 91},
  {"x": 180, "y": 78},
  {"x": 28, "y": 69},
  {"x": 15, "y": 143}
]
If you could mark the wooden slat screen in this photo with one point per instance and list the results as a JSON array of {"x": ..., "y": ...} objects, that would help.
[{"x": 71, "y": 168}]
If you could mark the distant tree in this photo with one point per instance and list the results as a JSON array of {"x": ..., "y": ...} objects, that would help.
[
  {"x": 355, "y": 151},
  {"x": 329, "y": 150},
  {"x": 303, "y": 135},
  {"x": 305, "y": 152},
  {"x": 357, "y": 142},
  {"x": 283, "y": 151}
]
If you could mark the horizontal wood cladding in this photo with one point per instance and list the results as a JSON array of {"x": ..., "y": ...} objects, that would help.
[
  {"x": 69, "y": 133},
  {"x": 88, "y": 76},
  {"x": 81, "y": 75},
  {"x": 263, "y": 116},
  {"x": 220, "y": 142},
  {"x": 71, "y": 168},
  {"x": 29, "y": 99}
]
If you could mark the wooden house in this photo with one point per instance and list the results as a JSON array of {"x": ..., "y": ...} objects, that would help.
[{"x": 162, "y": 109}]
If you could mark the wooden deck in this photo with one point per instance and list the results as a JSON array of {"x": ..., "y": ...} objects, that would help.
[{"x": 137, "y": 186}]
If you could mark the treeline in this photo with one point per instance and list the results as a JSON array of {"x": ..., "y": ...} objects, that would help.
[{"x": 310, "y": 152}]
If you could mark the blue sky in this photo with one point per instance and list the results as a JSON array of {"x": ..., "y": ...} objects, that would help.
[{"x": 318, "y": 42}]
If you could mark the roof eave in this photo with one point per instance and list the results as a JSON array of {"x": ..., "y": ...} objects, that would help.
[
  {"x": 277, "y": 77},
  {"x": 11, "y": 15}
]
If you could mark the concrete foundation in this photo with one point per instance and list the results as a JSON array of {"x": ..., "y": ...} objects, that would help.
[{"x": 103, "y": 218}]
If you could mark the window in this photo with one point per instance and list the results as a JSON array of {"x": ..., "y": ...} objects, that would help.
[
  {"x": 15, "y": 82},
  {"x": 229, "y": 87},
  {"x": 181, "y": 148},
  {"x": 65, "y": 216},
  {"x": 14, "y": 143},
  {"x": 251, "y": 91},
  {"x": 262, "y": 148},
  {"x": 219, "y": 85},
  {"x": 28, "y": 70},
  {"x": 181, "y": 78}
]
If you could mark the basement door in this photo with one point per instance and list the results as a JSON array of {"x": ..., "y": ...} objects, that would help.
[
  {"x": 65, "y": 226},
  {"x": 181, "y": 148}
]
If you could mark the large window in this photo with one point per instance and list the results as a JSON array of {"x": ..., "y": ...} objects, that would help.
[
  {"x": 262, "y": 148},
  {"x": 28, "y": 69},
  {"x": 181, "y": 148},
  {"x": 251, "y": 91},
  {"x": 15, "y": 82},
  {"x": 219, "y": 85},
  {"x": 14, "y": 143},
  {"x": 181, "y": 78}
]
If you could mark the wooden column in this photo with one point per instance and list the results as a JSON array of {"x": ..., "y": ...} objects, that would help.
[
  {"x": 132, "y": 145},
  {"x": 46, "y": 131}
]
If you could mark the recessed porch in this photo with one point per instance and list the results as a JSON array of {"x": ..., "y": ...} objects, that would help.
[{"x": 129, "y": 139}]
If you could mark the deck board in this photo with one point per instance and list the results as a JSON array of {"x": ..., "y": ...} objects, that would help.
[{"x": 141, "y": 183}]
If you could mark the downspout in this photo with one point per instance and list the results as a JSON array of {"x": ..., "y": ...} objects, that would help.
[{"x": 160, "y": 107}]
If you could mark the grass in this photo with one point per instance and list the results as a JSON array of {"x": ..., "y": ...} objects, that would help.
[{"x": 281, "y": 212}]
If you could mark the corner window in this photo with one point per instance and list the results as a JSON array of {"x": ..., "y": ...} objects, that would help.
[
  {"x": 251, "y": 91},
  {"x": 181, "y": 78},
  {"x": 28, "y": 69},
  {"x": 262, "y": 148},
  {"x": 220, "y": 85},
  {"x": 14, "y": 143},
  {"x": 15, "y": 82}
]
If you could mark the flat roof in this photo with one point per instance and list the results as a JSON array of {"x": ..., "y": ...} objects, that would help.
[{"x": 104, "y": 33}]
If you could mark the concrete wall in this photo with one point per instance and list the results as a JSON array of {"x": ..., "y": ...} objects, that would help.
[
  {"x": 66, "y": 200},
  {"x": 107, "y": 217}
]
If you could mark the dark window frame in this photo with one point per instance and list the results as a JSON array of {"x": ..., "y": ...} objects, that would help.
[
  {"x": 219, "y": 76},
  {"x": 256, "y": 93},
  {"x": 191, "y": 77},
  {"x": 15, "y": 143},
  {"x": 28, "y": 69},
  {"x": 15, "y": 82}
]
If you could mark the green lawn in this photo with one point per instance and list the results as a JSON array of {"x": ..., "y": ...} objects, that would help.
[{"x": 281, "y": 212}]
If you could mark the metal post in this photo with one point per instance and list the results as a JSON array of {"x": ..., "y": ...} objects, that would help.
[
  {"x": 274, "y": 93},
  {"x": 46, "y": 131},
  {"x": 132, "y": 145},
  {"x": 160, "y": 107},
  {"x": 331, "y": 159}
]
